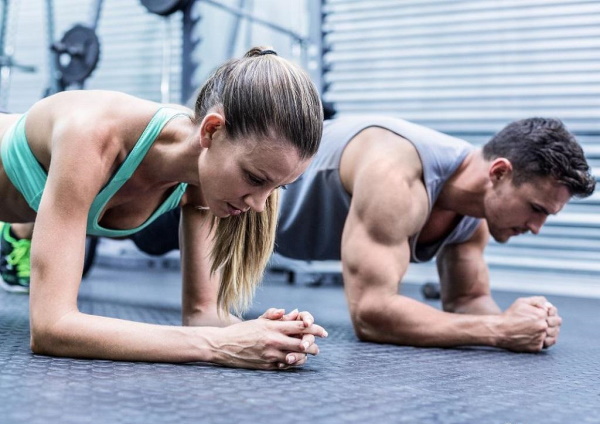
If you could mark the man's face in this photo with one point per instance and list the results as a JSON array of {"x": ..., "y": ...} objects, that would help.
[{"x": 512, "y": 210}]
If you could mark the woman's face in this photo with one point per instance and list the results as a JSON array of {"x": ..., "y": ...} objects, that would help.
[{"x": 238, "y": 175}]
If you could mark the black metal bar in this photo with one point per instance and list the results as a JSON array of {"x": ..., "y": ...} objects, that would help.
[
  {"x": 96, "y": 14},
  {"x": 53, "y": 84},
  {"x": 3, "y": 23},
  {"x": 234, "y": 31},
  {"x": 8, "y": 62},
  {"x": 188, "y": 65},
  {"x": 314, "y": 57}
]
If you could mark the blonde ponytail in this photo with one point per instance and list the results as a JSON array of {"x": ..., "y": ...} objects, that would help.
[
  {"x": 262, "y": 96},
  {"x": 242, "y": 247}
]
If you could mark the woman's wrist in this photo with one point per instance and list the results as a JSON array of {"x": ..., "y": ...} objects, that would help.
[{"x": 206, "y": 342}]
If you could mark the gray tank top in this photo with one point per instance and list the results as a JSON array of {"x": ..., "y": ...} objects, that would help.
[{"x": 314, "y": 208}]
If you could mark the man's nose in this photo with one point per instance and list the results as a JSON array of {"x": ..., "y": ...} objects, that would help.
[{"x": 536, "y": 223}]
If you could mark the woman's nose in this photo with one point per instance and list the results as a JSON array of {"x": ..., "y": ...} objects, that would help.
[{"x": 257, "y": 201}]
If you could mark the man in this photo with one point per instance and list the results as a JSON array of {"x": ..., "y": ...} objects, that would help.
[
  {"x": 385, "y": 192},
  {"x": 382, "y": 193}
]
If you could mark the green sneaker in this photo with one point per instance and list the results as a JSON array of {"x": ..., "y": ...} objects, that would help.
[{"x": 15, "y": 266}]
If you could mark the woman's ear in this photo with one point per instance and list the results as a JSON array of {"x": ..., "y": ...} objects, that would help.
[
  {"x": 500, "y": 168},
  {"x": 210, "y": 125}
]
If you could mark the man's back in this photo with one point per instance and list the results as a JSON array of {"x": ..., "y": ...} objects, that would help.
[{"x": 314, "y": 208}]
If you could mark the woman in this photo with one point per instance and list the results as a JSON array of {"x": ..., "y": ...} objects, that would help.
[{"x": 105, "y": 163}]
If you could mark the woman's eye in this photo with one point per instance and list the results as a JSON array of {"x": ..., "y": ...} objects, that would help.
[{"x": 254, "y": 180}]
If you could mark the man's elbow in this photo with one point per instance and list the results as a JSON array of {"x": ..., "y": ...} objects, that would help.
[
  {"x": 473, "y": 303},
  {"x": 368, "y": 323},
  {"x": 452, "y": 305},
  {"x": 382, "y": 323}
]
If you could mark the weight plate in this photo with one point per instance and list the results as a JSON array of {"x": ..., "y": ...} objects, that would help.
[{"x": 77, "y": 54}]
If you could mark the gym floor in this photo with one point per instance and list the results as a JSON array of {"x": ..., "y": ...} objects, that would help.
[{"x": 349, "y": 381}]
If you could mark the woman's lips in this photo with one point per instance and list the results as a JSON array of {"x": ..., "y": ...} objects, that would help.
[{"x": 233, "y": 210}]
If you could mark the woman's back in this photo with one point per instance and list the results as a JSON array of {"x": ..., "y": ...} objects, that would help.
[{"x": 101, "y": 128}]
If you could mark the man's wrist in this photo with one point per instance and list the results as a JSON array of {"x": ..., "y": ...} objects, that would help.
[{"x": 494, "y": 325}]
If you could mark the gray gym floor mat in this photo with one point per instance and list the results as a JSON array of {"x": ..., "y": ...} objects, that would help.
[{"x": 349, "y": 381}]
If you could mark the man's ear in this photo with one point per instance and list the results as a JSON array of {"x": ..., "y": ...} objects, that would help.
[
  {"x": 500, "y": 169},
  {"x": 209, "y": 126}
]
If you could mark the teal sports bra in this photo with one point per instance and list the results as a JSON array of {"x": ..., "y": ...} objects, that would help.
[{"x": 29, "y": 177}]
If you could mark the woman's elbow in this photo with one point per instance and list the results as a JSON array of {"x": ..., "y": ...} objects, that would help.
[
  {"x": 46, "y": 338},
  {"x": 41, "y": 340}
]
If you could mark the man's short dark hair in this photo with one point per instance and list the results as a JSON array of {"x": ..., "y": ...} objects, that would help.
[{"x": 542, "y": 147}]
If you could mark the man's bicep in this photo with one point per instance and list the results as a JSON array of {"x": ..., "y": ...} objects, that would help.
[
  {"x": 386, "y": 209},
  {"x": 374, "y": 259}
]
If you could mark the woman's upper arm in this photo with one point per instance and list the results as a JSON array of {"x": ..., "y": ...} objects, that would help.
[{"x": 76, "y": 174}]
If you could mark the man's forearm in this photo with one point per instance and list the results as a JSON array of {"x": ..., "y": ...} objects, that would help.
[{"x": 404, "y": 321}]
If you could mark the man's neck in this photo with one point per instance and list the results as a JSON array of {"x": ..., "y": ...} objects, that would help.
[{"x": 464, "y": 192}]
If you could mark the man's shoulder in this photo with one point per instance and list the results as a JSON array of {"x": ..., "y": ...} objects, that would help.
[
  {"x": 389, "y": 161},
  {"x": 390, "y": 201}
]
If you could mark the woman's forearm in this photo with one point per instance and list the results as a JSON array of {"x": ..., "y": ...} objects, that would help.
[{"x": 87, "y": 336}]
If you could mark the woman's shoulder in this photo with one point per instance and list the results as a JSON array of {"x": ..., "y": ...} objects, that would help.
[
  {"x": 90, "y": 117},
  {"x": 93, "y": 110},
  {"x": 97, "y": 101},
  {"x": 101, "y": 106}
]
